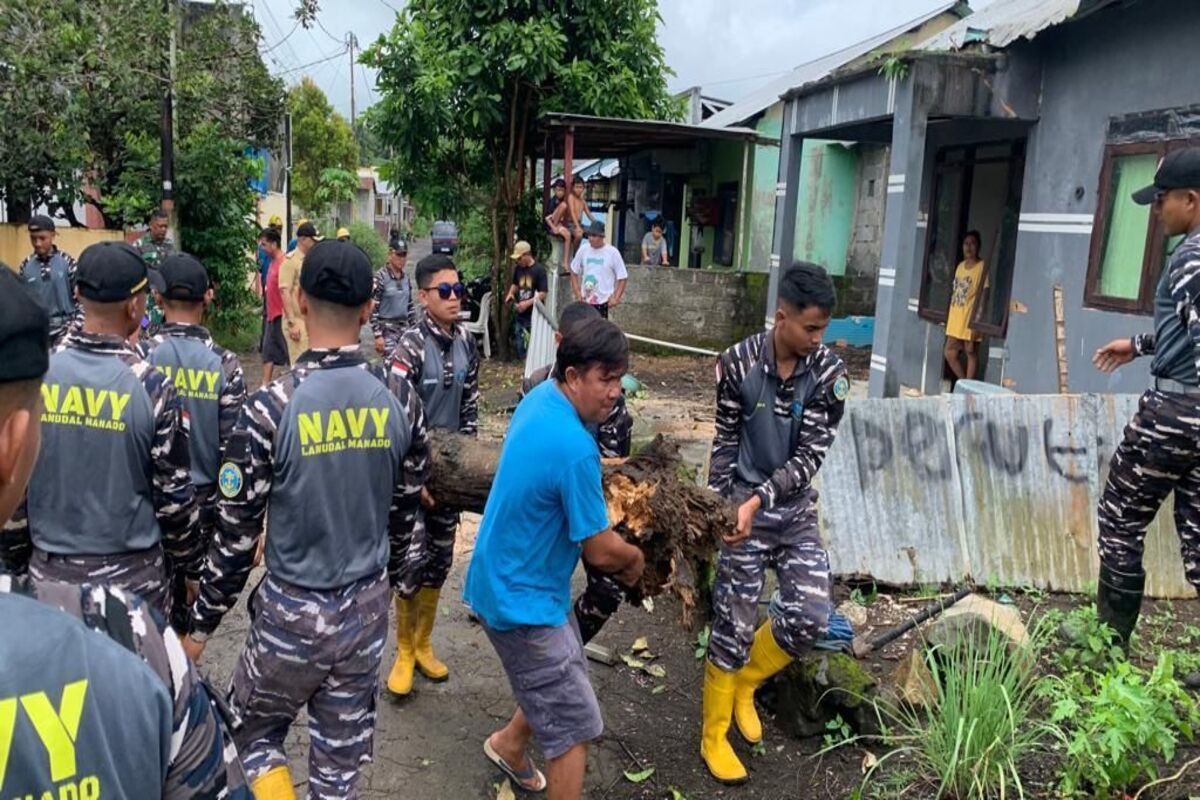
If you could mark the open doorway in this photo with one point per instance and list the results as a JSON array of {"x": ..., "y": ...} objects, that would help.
[{"x": 975, "y": 188}]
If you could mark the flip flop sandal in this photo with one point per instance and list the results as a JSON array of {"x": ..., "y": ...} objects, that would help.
[{"x": 530, "y": 780}]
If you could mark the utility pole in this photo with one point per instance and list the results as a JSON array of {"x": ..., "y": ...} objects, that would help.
[
  {"x": 287, "y": 178},
  {"x": 351, "y": 43},
  {"x": 167, "y": 129}
]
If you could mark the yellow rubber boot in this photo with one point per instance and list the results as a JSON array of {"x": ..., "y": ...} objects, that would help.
[
  {"x": 766, "y": 658},
  {"x": 274, "y": 784},
  {"x": 715, "y": 749},
  {"x": 400, "y": 679},
  {"x": 427, "y": 662}
]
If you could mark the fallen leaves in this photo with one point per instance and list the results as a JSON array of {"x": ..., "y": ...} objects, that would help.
[{"x": 640, "y": 776}]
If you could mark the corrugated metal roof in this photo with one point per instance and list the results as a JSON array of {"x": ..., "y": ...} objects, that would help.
[
  {"x": 1005, "y": 21},
  {"x": 765, "y": 97}
]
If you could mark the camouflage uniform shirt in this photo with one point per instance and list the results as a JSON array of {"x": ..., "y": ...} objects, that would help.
[
  {"x": 250, "y": 446},
  {"x": 818, "y": 423},
  {"x": 408, "y": 361},
  {"x": 201, "y": 759},
  {"x": 234, "y": 393},
  {"x": 35, "y": 267},
  {"x": 171, "y": 481}
]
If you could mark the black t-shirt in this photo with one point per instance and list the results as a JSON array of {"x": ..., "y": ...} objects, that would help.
[{"x": 529, "y": 281}]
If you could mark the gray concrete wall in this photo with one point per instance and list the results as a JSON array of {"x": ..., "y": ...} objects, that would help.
[
  {"x": 697, "y": 307},
  {"x": 856, "y": 289},
  {"x": 1118, "y": 61}
]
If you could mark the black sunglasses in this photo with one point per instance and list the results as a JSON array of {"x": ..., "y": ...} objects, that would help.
[{"x": 444, "y": 290}]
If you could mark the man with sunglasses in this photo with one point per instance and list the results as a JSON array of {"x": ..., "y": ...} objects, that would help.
[
  {"x": 1160, "y": 452},
  {"x": 111, "y": 500},
  {"x": 439, "y": 358}
]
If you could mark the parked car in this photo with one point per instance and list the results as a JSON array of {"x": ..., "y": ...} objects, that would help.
[{"x": 445, "y": 237}]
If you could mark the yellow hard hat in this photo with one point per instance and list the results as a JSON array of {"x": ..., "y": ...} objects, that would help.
[
  {"x": 275, "y": 221},
  {"x": 343, "y": 233}
]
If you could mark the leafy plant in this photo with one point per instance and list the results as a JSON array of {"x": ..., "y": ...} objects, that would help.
[
  {"x": 839, "y": 732},
  {"x": 1114, "y": 736},
  {"x": 864, "y": 599},
  {"x": 702, "y": 642},
  {"x": 365, "y": 236},
  {"x": 894, "y": 67},
  {"x": 1086, "y": 642},
  {"x": 980, "y": 723}
]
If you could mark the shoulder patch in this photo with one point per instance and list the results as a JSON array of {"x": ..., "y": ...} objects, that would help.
[
  {"x": 841, "y": 388},
  {"x": 229, "y": 479}
]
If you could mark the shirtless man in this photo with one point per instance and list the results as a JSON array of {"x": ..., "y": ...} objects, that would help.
[{"x": 566, "y": 221}]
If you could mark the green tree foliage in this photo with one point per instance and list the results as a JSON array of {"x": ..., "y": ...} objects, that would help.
[
  {"x": 365, "y": 236},
  {"x": 336, "y": 186},
  {"x": 321, "y": 140},
  {"x": 216, "y": 209},
  {"x": 463, "y": 82},
  {"x": 81, "y": 86}
]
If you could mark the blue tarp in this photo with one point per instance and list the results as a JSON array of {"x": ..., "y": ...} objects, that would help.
[{"x": 854, "y": 331}]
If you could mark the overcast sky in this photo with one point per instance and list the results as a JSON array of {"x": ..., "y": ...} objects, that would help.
[{"x": 728, "y": 48}]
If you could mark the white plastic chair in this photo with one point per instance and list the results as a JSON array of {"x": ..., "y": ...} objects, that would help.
[{"x": 480, "y": 326}]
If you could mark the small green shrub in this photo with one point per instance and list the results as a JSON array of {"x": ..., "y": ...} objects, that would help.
[
  {"x": 366, "y": 237},
  {"x": 1114, "y": 734},
  {"x": 1086, "y": 642}
]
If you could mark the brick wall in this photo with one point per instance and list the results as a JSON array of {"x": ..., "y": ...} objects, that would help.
[{"x": 701, "y": 308}]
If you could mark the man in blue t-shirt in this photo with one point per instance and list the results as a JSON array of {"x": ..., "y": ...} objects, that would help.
[{"x": 534, "y": 527}]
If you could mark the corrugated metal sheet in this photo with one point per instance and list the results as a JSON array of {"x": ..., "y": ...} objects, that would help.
[
  {"x": 1002, "y": 489},
  {"x": 1005, "y": 21}
]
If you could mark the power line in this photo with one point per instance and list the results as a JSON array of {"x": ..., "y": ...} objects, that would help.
[
  {"x": 331, "y": 57},
  {"x": 283, "y": 40}
]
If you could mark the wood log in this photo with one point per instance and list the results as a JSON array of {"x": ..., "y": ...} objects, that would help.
[{"x": 652, "y": 502}]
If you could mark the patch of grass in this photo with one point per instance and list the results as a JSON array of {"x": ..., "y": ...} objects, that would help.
[
  {"x": 980, "y": 725},
  {"x": 239, "y": 331}
]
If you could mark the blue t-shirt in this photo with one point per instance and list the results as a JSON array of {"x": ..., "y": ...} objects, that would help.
[{"x": 545, "y": 501}]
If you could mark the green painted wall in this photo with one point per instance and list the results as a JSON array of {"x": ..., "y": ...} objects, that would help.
[
  {"x": 725, "y": 166},
  {"x": 760, "y": 242},
  {"x": 825, "y": 212}
]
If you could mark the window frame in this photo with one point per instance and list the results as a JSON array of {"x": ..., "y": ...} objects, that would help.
[{"x": 1152, "y": 252}]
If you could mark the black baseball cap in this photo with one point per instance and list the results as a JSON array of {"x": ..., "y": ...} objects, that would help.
[
  {"x": 337, "y": 271},
  {"x": 40, "y": 222},
  {"x": 596, "y": 229},
  {"x": 24, "y": 331},
  {"x": 110, "y": 272},
  {"x": 183, "y": 278},
  {"x": 307, "y": 229},
  {"x": 399, "y": 245},
  {"x": 1180, "y": 169}
]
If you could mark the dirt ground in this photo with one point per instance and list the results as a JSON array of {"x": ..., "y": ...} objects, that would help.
[{"x": 430, "y": 746}]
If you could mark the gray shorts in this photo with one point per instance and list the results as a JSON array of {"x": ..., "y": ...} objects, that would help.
[
  {"x": 548, "y": 674},
  {"x": 274, "y": 346}
]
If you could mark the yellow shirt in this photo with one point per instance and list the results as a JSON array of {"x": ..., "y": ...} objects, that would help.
[
  {"x": 289, "y": 282},
  {"x": 968, "y": 280}
]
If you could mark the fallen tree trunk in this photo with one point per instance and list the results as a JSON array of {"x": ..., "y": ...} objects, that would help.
[{"x": 652, "y": 502}]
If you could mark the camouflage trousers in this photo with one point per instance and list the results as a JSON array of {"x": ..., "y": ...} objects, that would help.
[
  {"x": 143, "y": 573},
  {"x": 599, "y": 601},
  {"x": 430, "y": 551},
  {"x": 391, "y": 331},
  {"x": 316, "y": 649},
  {"x": 786, "y": 539},
  {"x": 1159, "y": 454}
]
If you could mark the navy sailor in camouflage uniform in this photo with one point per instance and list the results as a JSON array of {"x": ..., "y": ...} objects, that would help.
[
  {"x": 112, "y": 499},
  {"x": 1160, "y": 452},
  {"x": 49, "y": 275},
  {"x": 780, "y": 397},
  {"x": 604, "y": 593},
  {"x": 333, "y": 456},
  {"x": 439, "y": 358},
  {"x": 395, "y": 301},
  {"x": 207, "y": 378},
  {"x": 102, "y": 701}
]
